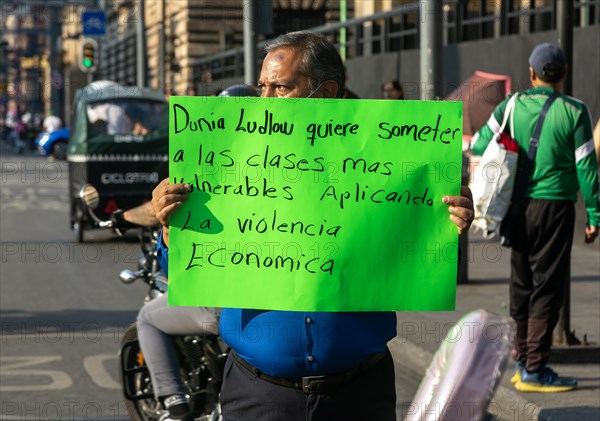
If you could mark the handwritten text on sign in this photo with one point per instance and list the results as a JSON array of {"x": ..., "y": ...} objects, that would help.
[{"x": 314, "y": 205}]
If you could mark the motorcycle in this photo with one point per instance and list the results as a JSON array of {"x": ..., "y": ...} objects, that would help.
[{"x": 202, "y": 358}]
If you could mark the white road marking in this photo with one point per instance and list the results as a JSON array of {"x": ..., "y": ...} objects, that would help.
[
  {"x": 12, "y": 366},
  {"x": 94, "y": 365}
]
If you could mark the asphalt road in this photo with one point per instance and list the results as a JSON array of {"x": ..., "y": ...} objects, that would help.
[{"x": 62, "y": 306}]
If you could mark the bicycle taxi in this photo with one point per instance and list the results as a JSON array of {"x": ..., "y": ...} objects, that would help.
[{"x": 119, "y": 144}]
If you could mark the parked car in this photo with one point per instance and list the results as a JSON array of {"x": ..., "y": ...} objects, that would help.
[{"x": 54, "y": 144}]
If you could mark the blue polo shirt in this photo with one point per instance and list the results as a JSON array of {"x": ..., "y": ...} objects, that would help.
[{"x": 295, "y": 344}]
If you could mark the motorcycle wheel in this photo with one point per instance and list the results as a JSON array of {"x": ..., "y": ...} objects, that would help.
[
  {"x": 143, "y": 409},
  {"x": 149, "y": 409}
]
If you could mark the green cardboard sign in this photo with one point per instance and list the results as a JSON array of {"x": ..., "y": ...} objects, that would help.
[{"x": 314, "y": 205}]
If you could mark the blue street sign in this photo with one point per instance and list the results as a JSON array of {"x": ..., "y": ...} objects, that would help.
[{"x": 93, "y": 23}]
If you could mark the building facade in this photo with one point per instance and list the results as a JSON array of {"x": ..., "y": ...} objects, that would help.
[
  {"x": 198, "y": 43},
  {"x": 177, "y": 33}
]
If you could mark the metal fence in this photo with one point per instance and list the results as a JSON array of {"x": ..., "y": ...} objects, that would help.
[{"x": 398, "y": 29}]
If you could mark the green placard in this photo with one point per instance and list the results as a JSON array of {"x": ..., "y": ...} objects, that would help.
[{"x": 314, "y": 205}]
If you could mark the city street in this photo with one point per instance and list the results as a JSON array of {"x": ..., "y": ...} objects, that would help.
[
  {"x": 63, "y": 311},
  {"x": 400, "y": 99},
  {"x": 63, "y": 307}
]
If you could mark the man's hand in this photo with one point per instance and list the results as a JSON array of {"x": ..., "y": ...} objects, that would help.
[
  {"x": 590, "y": 234},
  {"x": 461, "y": 209},
  {"x": 165, "y": 199},
  {"x": 142, "y": 215}
]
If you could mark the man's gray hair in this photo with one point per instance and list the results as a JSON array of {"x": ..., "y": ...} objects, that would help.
[{"x": 320, "y": 62}]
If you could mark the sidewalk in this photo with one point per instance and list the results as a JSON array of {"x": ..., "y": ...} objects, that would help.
[{"x": 420, "y": 334}]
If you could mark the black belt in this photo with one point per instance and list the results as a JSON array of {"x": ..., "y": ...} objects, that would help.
[{"x": 313, "y": 384}]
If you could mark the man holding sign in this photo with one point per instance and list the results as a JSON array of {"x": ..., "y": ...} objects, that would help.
[{"x": 296, "y": 365}]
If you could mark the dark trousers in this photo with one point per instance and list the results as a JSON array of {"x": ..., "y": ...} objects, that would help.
[
  {"x": 369, "y": 396},
  {"x": 540, "y": 272}
]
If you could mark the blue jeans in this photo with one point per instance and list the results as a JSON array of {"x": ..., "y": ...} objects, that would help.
[{"x": 156, "y": 323}]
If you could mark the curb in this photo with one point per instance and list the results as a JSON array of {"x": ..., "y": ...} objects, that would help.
[
  {"x": 575, "y": 354},
  {"x": 506, "y": 405}
]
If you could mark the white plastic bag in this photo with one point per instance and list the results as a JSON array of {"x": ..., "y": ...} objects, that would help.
[
  {"x": 463, "y": 375},
  {"x": 494, "y": 179}
]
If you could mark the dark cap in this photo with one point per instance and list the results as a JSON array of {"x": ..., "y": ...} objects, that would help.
[{"x": 548, "y": 62}]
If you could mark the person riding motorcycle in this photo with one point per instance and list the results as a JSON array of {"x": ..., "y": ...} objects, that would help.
[{"x": 157, "y": 321}]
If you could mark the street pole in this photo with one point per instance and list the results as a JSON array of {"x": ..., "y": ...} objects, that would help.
[
  {"x": 584, "y": 13},
  {"x": 343, "y": 18},
  {"x": 562, "y": 332},
  {"x": 565, "y": 39},
  {"x": 249, "y": 42},
  {"x": 55, "y": 49},
  {"x": 141, "y": 45},
  {"x": 67, "y": 119},
  {"x": 431, "y": 49},
  {"x": 162, "y": 75}
]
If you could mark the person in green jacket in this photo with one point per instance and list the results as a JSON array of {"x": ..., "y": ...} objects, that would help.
[{"x": 541, "y": 248}]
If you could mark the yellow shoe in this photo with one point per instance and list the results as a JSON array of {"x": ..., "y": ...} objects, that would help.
[
  {"x": 517, "y": 376},
  {"x": 544, "y": 381}
]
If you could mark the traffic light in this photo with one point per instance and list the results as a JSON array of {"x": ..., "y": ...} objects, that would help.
[{"x": 88, "y": 55}]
